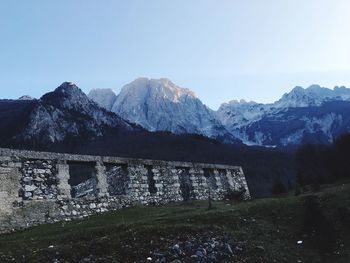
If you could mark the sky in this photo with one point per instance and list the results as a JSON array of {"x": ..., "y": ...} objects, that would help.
[{"x": 221, "y": 49}]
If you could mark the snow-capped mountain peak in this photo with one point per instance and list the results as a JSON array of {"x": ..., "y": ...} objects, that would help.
[
  {"x": 299, "y": 97},
  {"x": 314, "y": 95},
  {"x": 240, "y": 103},
  {"x": 26, "y": 97},
  {"x": 160, "y": 105},
  {"x": 263, "y": 123}
]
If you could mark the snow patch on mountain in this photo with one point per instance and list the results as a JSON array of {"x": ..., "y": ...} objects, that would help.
[
  {"x": 26, "y": 97},
  {"x": 324, "y": 124},
  {"x": 314, "y": 95},
  {"x": 239, "y": 113},
  {"x": 239, "y": 116}
]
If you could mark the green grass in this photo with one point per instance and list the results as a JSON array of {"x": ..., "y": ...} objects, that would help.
[{"x": 266, "y": 230}]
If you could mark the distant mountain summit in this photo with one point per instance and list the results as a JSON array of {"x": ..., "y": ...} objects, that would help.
[
  {"x": 314, "y": 95},
  {"x": 103, "y": 97},
  {"x": 312, "y": 115},
  {"x": 66, "y": 115},
  {"x": 26, "y": 97},
  {"x": 160, "y": 105},
  {"x": 58, "y": 116}
]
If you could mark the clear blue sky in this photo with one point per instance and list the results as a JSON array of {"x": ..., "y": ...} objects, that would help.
[{"x": 223, "y": 50}]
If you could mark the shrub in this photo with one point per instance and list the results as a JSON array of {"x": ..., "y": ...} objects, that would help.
[{"x": 236, "y": 195}]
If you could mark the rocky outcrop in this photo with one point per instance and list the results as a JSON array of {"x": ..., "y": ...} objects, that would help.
[
  {"x": 66, "y": 114},
  {"x": 103, "y": 97},
  {"x": 311, "y": 115},
  {"x": 160, "y": 105}
]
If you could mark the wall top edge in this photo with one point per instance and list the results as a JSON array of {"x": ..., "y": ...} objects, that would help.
[{"x": 26, "y": 154}]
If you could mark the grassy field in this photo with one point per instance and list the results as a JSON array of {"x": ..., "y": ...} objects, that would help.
[{"x": 265, "y": 230}]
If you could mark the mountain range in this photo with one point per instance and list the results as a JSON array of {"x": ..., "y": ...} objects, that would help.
[
  {"x": 155, "y": 119},
  {"x": 57, "y": 117},
  {"x": 312, "y": 115}
]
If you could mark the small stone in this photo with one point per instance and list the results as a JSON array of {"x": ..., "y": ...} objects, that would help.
[
  {"x": 39, "y": 171},
  {"x": 38, "y": 179},
  {"x": 92, "y": 206},
  {"x": 30, "y": 188},
  {"x": 27, "y": 179},
  {"x": 201, "y": 252},
  {"x": 28, "y": 194},
  {"x": 229, "y": 249},
  {"x": 260, "y": 247},
  {"x": 37, "y": 191}
]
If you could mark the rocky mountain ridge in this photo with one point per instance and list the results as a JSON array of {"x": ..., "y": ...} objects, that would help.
[
  {"x": 160, "y": 105},
  {"x": 56, "y": 117}
]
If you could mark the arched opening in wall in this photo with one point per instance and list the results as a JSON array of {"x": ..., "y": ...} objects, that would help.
[
  {"x": 210, "y": 176},
  {"x": 186, "y": 186},
  {"x": 82, "y": 179},
  {"x": 117, "y": 179},
  {"x": 151, "y": 182}
]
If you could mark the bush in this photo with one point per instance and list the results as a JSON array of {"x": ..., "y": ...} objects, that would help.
[{"x": 236, "y": 195}]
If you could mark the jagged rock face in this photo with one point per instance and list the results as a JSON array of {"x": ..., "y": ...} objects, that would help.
[
  {"x": 160, "y": 105},
  {"x": 103, "y": 97},
  {"x": 314, "y": 95},
  {"x": 316, "y": 124},
  {"x": 314, "y": 115},
  {"x": 65, "y": 113}
]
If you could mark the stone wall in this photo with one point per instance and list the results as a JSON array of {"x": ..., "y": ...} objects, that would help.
[
  {"x": 39, "y": 180},
  {"x": 36, "y": 187}
]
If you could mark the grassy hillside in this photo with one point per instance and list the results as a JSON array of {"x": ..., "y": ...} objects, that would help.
[{"x": 265, "y": 230}]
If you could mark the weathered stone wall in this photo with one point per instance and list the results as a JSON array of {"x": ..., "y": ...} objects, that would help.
[
  {"x": 35, "y": 187},
  {"x": 39, "y": 180}
]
